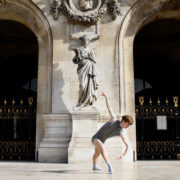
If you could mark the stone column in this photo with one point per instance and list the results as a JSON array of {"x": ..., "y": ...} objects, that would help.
[
  {"x": 84, "y": 126},
  {"x": 55, "y": 142}
]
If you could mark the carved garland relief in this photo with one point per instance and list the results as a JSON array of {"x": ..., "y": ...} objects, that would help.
[{"x": 84, "y": 11}]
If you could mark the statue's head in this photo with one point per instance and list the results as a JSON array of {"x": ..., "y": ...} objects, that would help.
[
  {"x": 55, "y": 1},
  {"x": 85, "y": 40}
]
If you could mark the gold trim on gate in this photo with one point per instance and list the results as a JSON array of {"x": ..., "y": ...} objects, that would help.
[
  {"x": 17, "y": 108},
  {"x": 141, "y": 100},
  {"x": 149, "y": 110},
  {"x": 178, "y": 156},
  {"x": 13, "y": 102},
  {"x": 30, "y": 101},
  {"x": 5, "y": 102},
  {"x": 167, "y": 102},
  {"x": 150, "y": 101},
  {"x": 21, "y": 102},
  {"x": 175, "y": 100}
]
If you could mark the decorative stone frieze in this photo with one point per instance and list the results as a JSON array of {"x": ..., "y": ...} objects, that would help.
[{"x": 76, "y": 14}]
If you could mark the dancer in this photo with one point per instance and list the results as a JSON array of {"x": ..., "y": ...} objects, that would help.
[{"x": 110, "y": 129}]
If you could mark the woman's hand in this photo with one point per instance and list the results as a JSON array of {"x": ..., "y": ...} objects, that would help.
[{"x": 119, "y": 158}]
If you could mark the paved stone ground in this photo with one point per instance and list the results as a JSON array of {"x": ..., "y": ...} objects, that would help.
[{"x": 141, "y": 170}]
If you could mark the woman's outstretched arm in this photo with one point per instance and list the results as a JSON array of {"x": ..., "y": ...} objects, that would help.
[{"x": 113, "y": 117}]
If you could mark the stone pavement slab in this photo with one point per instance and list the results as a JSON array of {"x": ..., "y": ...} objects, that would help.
[{"x": 140, "y": 170}]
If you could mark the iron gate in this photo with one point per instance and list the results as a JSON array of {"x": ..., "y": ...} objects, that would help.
[
  {"x": 153, "y": 142},
  {"x": 17, "y": 128}
]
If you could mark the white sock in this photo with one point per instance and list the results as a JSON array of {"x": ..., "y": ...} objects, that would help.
[
  {"x": 96, "y": 168},
  {"x": 110, "y": 169}
]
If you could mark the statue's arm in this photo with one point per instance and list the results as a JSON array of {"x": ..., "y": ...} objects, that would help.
[
  {"x": 75, "y": 59},
  {"x": 92, "y": 56}
]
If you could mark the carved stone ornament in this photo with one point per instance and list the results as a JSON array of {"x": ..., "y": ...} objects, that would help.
[
  {"x": 2, "y": 3},
  {"x": 55, "y": 8},
  {"x": 84, "y": 11},
  {"x": 173, "y": 4}
]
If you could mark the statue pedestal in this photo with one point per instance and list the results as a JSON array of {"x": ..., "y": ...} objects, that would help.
[
  {"x": 57, "y": 133},
  {"x": 84, "y": 126}
]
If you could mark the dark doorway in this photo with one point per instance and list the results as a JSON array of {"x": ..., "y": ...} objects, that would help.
[
  {"x": 157, "y": 87},
  {"x": 18, "y": 91}
]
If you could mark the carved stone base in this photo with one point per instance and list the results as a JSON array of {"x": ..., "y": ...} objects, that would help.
[
  {"x": 57, "y": 133},
  {"x": 84, "y": 126}
]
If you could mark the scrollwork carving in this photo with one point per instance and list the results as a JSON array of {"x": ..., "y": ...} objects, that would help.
[
  {"x": 114, "y": 8},
  {"x": 2, "y": 3},
  {"x": 87, "y": 17}
]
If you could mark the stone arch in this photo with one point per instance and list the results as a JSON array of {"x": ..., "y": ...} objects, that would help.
[
  {"x": 27, "y": 13},
  {"x": 142, "y": 13}
]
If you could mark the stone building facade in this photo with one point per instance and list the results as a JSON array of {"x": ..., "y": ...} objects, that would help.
[{"x": 63, "y": 134}]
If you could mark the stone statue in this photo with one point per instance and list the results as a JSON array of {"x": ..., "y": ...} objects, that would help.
[
  {"x": 86, "y": 73},
  {"x": 86, "y": 5}
]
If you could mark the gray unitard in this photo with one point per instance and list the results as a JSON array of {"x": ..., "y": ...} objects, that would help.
[{"x": 109, "y": 129}]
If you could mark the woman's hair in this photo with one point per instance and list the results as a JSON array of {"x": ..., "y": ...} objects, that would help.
[{"x": 128, "y": 118}]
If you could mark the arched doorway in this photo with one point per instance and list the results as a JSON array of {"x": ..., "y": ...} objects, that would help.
[
  {"x": 32, "y": 17},
  {"x": 18, "y": 91},
  {"x": 156, "y": 69},
  {"x": 142, "y": 13}
]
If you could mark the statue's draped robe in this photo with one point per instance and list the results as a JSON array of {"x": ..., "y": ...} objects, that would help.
[{"x": 87, "y": 76}]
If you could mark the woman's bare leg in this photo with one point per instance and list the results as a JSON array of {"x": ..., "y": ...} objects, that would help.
[
  {"x": 95, "y": 159},
  {"x": 96, "y": 155},
  {"x": 100, "y": 147}
]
